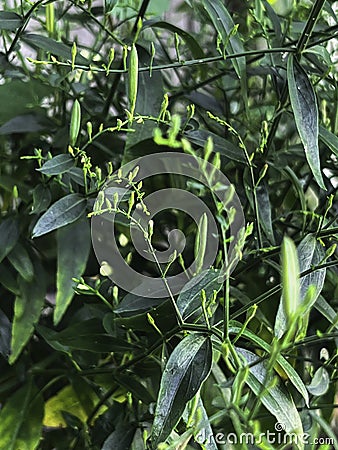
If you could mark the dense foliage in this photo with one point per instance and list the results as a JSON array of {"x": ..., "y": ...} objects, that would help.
[{"x": 251, "y": 87}]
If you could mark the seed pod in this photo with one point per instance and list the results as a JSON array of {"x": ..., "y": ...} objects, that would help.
[
  {"x": 75, "y": 123},
  {"x": 133, "y": 79}
]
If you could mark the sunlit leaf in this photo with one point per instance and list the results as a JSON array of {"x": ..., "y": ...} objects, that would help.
[{"x": 21, "y": 419}]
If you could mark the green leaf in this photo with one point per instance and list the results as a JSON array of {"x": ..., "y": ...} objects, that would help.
[
  {"x": 26, "y": 94},
  {"x": 88, "y": 335},
  {"x": 221, "y": 145},
  {"x": 20, "y": 260},
  {"x": 51, "y": 46},
  {"x": 224, "y": 25},
  {"x": 134, "y": 304},
  {"x": 41, "y": 199},
  {"x": 304, "y": 105},
  {"x": 9, "y": 20},
  {"x": 311, "y": 253},
  {"x": 21, "y": 419},
  {"x": 73, "y": 247},
  {"x": 7, "y": 278},
  {"x": 5, "y": 334},
  {"x": 277, "y": 398},
  {"x": 120, "y": 439},
  {"x": 264, "y": 210},
  {"x": 27, "y": 309},
  {"x": 191, "y": 42},
  {"x": 9, "y": 235},
  {"x": 327, "y": 311},
  {"x": 203, "y": 433},
  {"x": 320, "y": 382},
  {"x": 187, "y": 368},
  {"x": 133, "y": 385},
  {"x": 66, "y": 210},
  {"x": 330, "y": 139},
  {"x": 26, "y": 123},
  {"x": 189, "y": 299},
  {"x": 284, "y": 364},
  {"x": 57, "y": 165}
]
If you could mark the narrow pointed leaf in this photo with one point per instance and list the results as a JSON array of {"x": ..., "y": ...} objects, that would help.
[
  {"x": 73, "y": 242},
  {"x": 9, "y": 234},
  {"x": 329, "y": 139},
  {"x": 188, "y": 366},
  {"x": 284, "y": 364},
  {"x": 304, "y": 106},
  {"x": 276, "y": 399},
  {"x": 20, "y": 260},
  {"x": 66, "y": 210},
  {"x": 189, "y": 300},
  {"x": 21, "y": 419},
  {"x": 224, "y": 24},
  {"x": 57, "y": 165},
  {"x": 27, "y": 309},
  {"x": 9, "y": 20}
]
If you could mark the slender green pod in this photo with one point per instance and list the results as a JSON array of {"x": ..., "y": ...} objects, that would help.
[
  {"x": 75, "y": 123},
  {"x": 133, "y": 80}
]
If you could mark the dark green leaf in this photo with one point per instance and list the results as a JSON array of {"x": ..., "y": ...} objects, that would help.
[
  {"x": 25, "y": 123},
  {"x": 135, "y": 387},
  {"x": 191, "y": 42},
  {"x": 7, "y": 278},
  {"x": 264, "y": 210},
  {"x": 304, "y": 105},
  {"x": 5, "y": 335},
  {"x": 327, "y": 311},
  {"x": 9, "y": 20},
  {"x": 120, "y": 439},
  {"x": 21, "y": 419},
  {"x": 19, "y": 96},
  {"x": 20, "y": 260},
  {"x": 51, "y": 46},
  {"x": 189, "y": 300},
  {"x": 134, "y": 304},
  {"x": 88, "y": 335},
  {"x": 330, "y": 139},
  {"x": 221, "y": 145},
  {"x": 187, "y": 368},
  {"x": 27, "y": 309},
  {"x": 66, "y": 210},
  {"x": 74, "y": 244},
  {"x": 9, "y": 235},
  {"x": 57, "y": 165},
  {"x": 41, "y": 199}
]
